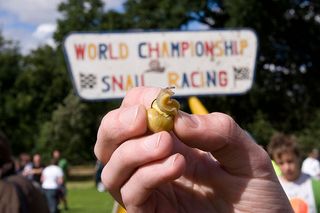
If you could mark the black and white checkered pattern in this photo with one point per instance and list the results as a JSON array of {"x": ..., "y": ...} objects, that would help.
[
  {"x": 87, "y": 81},
  {"x": 241, "y": 73}
]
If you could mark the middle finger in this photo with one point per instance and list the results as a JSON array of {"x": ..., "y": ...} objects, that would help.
[{"x": 132, "y": 154}]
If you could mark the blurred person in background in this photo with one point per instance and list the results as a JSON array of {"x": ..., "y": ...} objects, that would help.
[
  {"x": 52, "y": 179},
  {"x": 17, "y": 193},
  {"x": 27, "y": 168},
  {"x": 37, "y": 168},
  {"x": 24, "y": 163},
  {"x": 302, "y": 191},
  {"x": 63, "y": 164},
  {"x": 311, "y": 165},
  {"x": 34, "y": 172}
]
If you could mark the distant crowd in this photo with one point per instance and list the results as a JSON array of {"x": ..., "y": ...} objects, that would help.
[
  {"x": 50, "y": 178},
  {"x": 27, "y": 185}
]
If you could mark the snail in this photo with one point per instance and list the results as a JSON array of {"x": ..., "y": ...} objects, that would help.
[{"x": 162, "y": 111}]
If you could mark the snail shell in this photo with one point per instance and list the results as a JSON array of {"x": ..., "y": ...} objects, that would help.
[{"x": 162, "y": 111}]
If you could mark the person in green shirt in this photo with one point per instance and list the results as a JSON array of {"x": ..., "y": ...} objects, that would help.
[{"x": 63, "y": 164}]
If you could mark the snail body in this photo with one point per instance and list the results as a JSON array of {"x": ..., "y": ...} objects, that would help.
[{"x": 162, "y": 111}]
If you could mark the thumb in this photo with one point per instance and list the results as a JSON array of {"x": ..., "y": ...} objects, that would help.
[{"x": 219, "y": 134}]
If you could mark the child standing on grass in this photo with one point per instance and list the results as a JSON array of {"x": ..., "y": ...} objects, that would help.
[{"x": 301, "y": 190}]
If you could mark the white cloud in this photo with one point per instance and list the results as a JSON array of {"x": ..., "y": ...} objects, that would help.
[
  {"x": 29, "y": 40},
  {"x": 23, "y": 36},
  {"x": 32, "y": 11},
  {"x": 42, "y": 11},
  {"x": 44, "y": 31},
  {"x": 31, "y": 21}
]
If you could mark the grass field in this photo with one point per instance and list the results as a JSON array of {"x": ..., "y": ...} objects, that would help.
[{"x": 84, "y": 197}]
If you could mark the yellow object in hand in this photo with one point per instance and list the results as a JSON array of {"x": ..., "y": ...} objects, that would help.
[{"x": 162, "y": 111}]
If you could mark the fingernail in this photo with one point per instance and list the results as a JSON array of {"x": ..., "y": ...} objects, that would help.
[
  {"x": 189, "y": 120},
  {"x": 152, "y": 142},
  {"x": 128, "y": 115}
]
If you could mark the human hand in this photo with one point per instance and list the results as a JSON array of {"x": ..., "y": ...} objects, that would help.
[{"x": 207, "y": 164}]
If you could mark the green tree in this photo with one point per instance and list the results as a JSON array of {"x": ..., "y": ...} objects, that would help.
[
  {"x": 84, "y": 15},
  {"x": 78, "y": 15},
  {"x": 10, "y": 69},
  {"x": 308, "y": 137},
  {"x": 71, "y": 129},
  {"x": 288, "y": 31},
  {"x": 261, "y": 129},
  {"x": 164, "y": 14},
  {"x": 36, "y": 93},
  {"x": 285, "y": 89},
  {"x": 67, "y": 127}
]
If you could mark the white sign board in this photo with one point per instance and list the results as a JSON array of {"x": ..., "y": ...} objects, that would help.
[{"x": 107, "y": 65}]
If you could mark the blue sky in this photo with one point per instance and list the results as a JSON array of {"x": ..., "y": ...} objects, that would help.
[{"x": 32, "y": 22}]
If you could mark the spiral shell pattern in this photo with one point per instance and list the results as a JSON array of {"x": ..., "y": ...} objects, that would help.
[{"x": 162, "y": 111}]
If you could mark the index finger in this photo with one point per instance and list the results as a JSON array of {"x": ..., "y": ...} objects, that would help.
[{"x": 124, "y": 123}]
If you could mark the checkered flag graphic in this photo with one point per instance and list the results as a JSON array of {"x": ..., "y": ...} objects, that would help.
[
  {"x": 241, "y": 73},
  {"x": 87, "y": 81}
]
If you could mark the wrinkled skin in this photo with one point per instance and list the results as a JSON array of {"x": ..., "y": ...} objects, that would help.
[{"x": 207, "y": 164}]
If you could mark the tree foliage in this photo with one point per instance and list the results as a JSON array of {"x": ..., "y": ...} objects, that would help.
[
  {"x": 78, "y": 15},
  {"x": 11, "y": 66},
  {"x": 309, "y": 135},
  {"x": 69, "y": 125}
]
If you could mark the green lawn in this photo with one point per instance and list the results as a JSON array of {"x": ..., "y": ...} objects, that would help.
[{"x": 83, "y": 197}]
